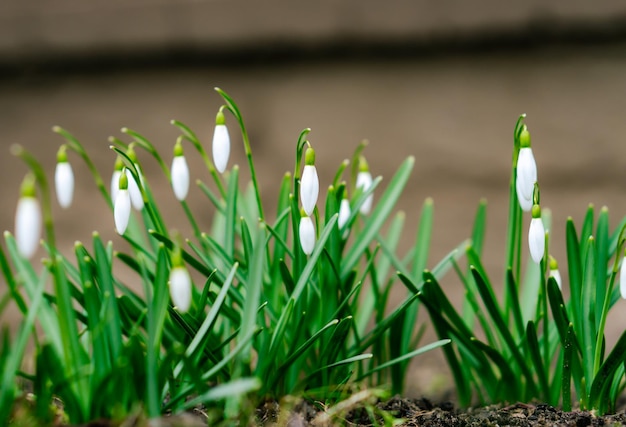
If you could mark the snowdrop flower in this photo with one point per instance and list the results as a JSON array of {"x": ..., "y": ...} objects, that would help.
[
  {"x": 364, "y": 182},
  {"x": 180, "y": 173},
  {"x": 310, "y": 184},
  {"x": 28, "y": 219},
  {"x": 526, "y": 172},
  {"x": 221, "y": 143},
  {"x": 64, "y": 179},
  {"x": 121, "y": 208},
  {"x": 136, "y": 198},
  {"x": 344, "y": 213},
  {"x": 180, "y": 288},
  {"x": 554, "y": 271},
  {"x": 536, "y": 235},
  {"x": 622, "y": 277},
  {"x": 115, "y": 177},
  {"x": 307, "y": 234}
]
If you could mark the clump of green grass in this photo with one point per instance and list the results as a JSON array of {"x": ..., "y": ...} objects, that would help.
[{"x": 291, "y": 304}]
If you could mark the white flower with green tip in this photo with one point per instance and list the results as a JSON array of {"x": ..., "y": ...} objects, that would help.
[
  {"x": 221, "y": 143},
  {"x": 554, "y": 272},
  {"x": 526, "y": 172},
  {"x": 344, "y": 213},
  {"x": 536, "y": 236},
  {"x": 309, "y": 184},
  {"x": 180, "y": 288},
  {"x": 307, "y": 234},
  {"x": 115, "y": 177},
  {"x": 180, "y": 173},
  {"x": 121, "y": 208},
  {"x": 364, "y": 182},
  {"x": 64, "y": 179},
  {"x": 136, "y": 197},
  {"x": 28, "y": 219}
]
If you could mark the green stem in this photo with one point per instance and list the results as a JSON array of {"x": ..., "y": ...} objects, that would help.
[{"x": 77, "y": 147}]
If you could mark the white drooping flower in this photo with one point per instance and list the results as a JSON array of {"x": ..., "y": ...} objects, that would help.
[
  {"x": 180, "y": 288},
  {"x": 180, "y": 173},
  {"x": 28, "y": 219},
  {"x": 536, "y": 236},
  {"x": 136, "y": 198},
  {"x": 364, "y": 182},
  {"x": 310, "y": 184},
  {"x": 115, "y": 177},
  {"x": 526, "y": 172},
  {"x": 221, "y": 143},
  {"x": 622, "y": 278},
  {"x": 307, "y": 235},
  {"x": 64, "y": 179},
  {"x": 344, "y": 213},
  {"x": 554, "y": 272},
  {"x": 121, "y": 208}
]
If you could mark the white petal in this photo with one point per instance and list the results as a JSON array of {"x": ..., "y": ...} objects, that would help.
[
  {"x": 121, "y": 211},
  {"x": 115, "y": 184},
  {"x": 526, "y": 173},
  {"x": 622, "y": 279},
  {"x": 221, "y": 147},
  {"x": 28, "y": 226},
  {"x": 536, "y": 239},
  {"x": 134, "y": 191},
  {"x": 364, "y": 182},
  {"x": 557, "y": 277},
  {"x": 309, "y": 189},
  {"x": 525, "y": 204},
  {"x": 180, "y": 177},
  {"x": 307, "y": 235},
  {"x": 64, "y": 184},
  {"x": 344, "y": 213},
  {"x": 180, "y": 288}
]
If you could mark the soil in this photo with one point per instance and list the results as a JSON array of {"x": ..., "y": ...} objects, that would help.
[{"x": 423, "y": 412}]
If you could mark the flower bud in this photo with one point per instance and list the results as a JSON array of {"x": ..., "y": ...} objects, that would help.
[
  {"x": 536, "y": 236},
  {"x": 136, "y": 198},
  {"x": 364, "y": 182},
  {"x": 221, "y": 143},
  {"x": 344, "y": 213},
  {"x": 554, "y": 271},
  {"x": 115, "y": 177},
  {"x": 64, "y": 179},
  {"x": 622, "y": 278},
  {"x": 307, "y": 235},
  {"x": 310, "y": 184},
  {"x": 28, "y": 219},
  {"x": 180, "y": 288},
  {"x": 180, "y": 173},
  {"x": 121, "y": 208},
  {"x": 526, "y": 172}
]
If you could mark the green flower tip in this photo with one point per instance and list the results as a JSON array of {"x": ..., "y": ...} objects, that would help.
[
  {"x": 178, "y": 149},
  {"x": 177, "y": 257},
  {"x": 303, "y": 213},
  {"x": 524, "y": 137},
  {"x": 119, "y": 163},
  {"x": 536, "y": 211},
  {"x": 220, "y": 119},
  {"x": 553, "y": 264},
  {"x": 132, "y": 155},
  {"x": 123, "y": 184},
  {"x": 62, "y": 154},
  {"x": 309, "y": 157},
  {"x": 29, "y": 186},
  {"x": 363, "y": 166}
]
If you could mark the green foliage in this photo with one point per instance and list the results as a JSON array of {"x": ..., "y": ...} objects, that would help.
[{"x": 265, "y": 319}]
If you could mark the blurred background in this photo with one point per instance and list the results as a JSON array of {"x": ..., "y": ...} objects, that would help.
[{"x": 441, "y": 80}]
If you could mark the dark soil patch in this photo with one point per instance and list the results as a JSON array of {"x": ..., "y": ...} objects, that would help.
[{"x": 422, "y": 412}]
